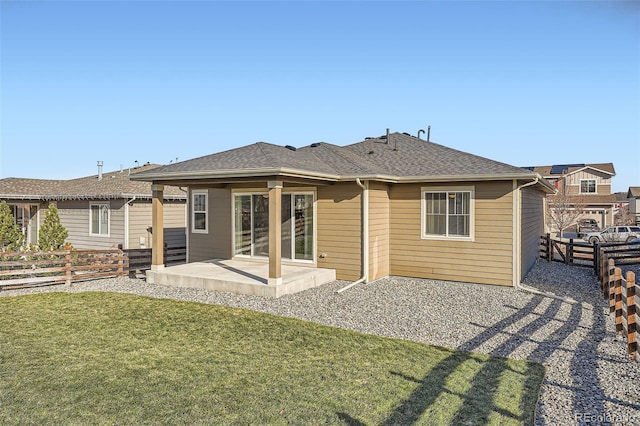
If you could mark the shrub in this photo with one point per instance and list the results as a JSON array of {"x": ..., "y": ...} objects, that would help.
[
  {"x": 52, "y": 234},
  {"x": 11, "y": 237}
]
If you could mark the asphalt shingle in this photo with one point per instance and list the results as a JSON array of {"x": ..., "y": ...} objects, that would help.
[
  {"x": 402, "y": 156},
  {"x": 112, "y": 185}
]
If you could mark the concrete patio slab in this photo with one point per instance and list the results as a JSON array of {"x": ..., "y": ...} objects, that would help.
[{"x": 241, "y": 277}]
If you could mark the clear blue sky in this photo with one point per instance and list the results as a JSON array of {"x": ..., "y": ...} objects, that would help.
[{"x": 526, "y": 83}]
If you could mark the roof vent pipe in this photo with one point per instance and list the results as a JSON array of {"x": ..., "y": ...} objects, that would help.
[
  {"x": 387, "y": 136},
  {"x": 420, "y": 131},
  {"x": 99, "y": 170},
  {"x": 429, "y": 134}
]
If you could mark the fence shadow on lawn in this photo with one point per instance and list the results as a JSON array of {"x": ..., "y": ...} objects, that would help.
[
  {"x": 588, "y": 394},
  {"x": 411, "y": 409}
]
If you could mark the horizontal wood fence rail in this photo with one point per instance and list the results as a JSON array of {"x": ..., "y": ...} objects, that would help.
[
  {"x": 140, "y": 259},
  {"x": 580, "y": 253},
  {"x": 30, "y": 269},
  {"x": 624, "y": 300}
]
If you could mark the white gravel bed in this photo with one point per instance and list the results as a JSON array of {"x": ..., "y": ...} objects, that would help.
[{"x": 588, "y": 380}]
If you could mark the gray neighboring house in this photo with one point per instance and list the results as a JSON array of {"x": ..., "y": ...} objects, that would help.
[{"x": 102, "y": 211}]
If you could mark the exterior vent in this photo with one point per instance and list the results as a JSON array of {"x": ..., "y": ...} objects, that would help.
[
  {"x": 315, "y": 145},
  {"x": 371, "y": 152},
  {"x": 405, "y": 133},
  {"x": 289, "y": 147}
]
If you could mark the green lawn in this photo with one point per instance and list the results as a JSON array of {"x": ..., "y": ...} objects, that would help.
[{"x": 106, "y": 358}]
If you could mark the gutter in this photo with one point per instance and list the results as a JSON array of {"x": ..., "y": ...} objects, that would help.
[
  {"x": 305, "y": 174},
  {"x": 365, "y": 236},
  {"x": 233, "y": 173},
  {"x": 517, "y": 251}
]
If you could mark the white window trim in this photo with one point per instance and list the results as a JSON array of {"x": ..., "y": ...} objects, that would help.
[
  {"x": 595, "y": 181},
  {"x": 108, "y": 205},
  {"x": 472, "y": 212},
  {"x": 206, "y": 211}
]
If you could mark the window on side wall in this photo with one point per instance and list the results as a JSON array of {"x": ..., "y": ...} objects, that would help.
[
  {"x": 199, "y": 212},
  {"x": 447, "y": 213},
  {"x": 588, "y": 186},
  {"x": 99, "y": 219}
]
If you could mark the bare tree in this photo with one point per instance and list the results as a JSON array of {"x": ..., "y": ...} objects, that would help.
[
  {"x": 564, "y": 209},
  {"x": 624, "y": 217}
]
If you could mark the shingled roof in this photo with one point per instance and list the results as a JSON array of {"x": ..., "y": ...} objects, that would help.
[
  {"x": 564, "y": 169},
  {"x": 112, "y": 185},
  {"x": 401, "y": 158}
]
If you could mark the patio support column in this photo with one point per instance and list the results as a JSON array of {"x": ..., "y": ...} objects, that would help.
[
  {"x": 275, "y": 232},
  {"x": 157, "y": 228}
]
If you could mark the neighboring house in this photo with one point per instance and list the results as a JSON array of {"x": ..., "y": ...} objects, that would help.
[
  {"x": 101, "y": 211},
  {"x": 633, "y": 196},
  {"x": 390, "y": 205},
  {"x": 588, "y": 188}
]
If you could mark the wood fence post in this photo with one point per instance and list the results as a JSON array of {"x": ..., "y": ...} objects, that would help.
[
  {"x": 632, "y": 342},
  {"x": 596, "y": 258},
  {"x": 549, "y": 248},
  {"x": 568, "y": 253},
  {"x": 120, "y": 264},
  {"x": 610, "y": 288},
  {"x": 618, "y": 300},
  {"x": 67, "y": 268}
]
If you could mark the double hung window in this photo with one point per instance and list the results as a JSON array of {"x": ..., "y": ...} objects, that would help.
[{"x": 447, "y": 213}]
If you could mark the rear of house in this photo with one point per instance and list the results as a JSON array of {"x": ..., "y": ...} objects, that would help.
[{"x": 394, "y": 205}]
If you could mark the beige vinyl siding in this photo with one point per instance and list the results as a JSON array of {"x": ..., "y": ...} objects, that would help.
[
  {"x": 74, "y": 216},
  {"x": 486, "y": 260},
  {"x": 216, "y": 243},
  {"x": 531, "y": 227},
  {"x": 378, "y": 230},
  {"x": 338, "y": 229},
  {"x": 140, "y": 221}
]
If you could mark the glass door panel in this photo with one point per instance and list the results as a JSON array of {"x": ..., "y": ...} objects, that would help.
[
  {"x": 303, "y": 213},
  {"x": 286, "y": 226},
  {"x": 260, "y": 225},
  {"x": 242, "y": 225}
]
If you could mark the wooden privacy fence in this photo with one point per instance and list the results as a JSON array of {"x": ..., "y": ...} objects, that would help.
[
  {"x": 26, "y": 269},
  {"x": 140, "y": 259},
  {"x": 29, "y": 269},
  {"x": 623, "y": 300},
  {"x": 579, "y": 253}
]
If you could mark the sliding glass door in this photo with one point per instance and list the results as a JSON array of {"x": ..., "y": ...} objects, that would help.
[
  {"x": 251, "y": 225},
  {"x": 302, "y": 211}
]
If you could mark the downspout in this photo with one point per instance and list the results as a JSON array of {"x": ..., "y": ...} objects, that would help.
[
  {"x": 365, "y": 236},
  {"x": 126, "y": 222},
  {"x": 186, "y": 223},
  {"x": 517, "y": 251}
]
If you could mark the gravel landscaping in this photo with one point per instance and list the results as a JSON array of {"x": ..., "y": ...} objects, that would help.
[{"x": 588, "y": 380}]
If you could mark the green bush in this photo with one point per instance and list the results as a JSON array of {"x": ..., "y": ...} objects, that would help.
[
  {"x": 11, "y": 237},
  {"x": 52, "y": 234}
]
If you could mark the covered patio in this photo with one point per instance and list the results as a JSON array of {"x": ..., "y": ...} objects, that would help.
[{"x": 241, "y": 276}]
